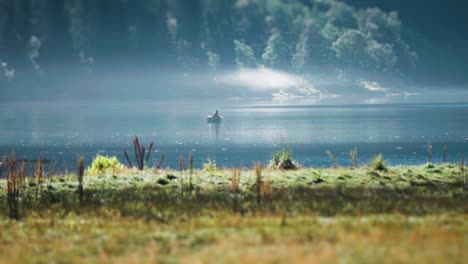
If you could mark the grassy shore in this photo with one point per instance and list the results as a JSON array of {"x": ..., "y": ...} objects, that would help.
[{"x": 404, "y": 214}]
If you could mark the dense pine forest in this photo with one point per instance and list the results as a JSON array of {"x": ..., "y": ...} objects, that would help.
[{"x": 283, "y": 34}]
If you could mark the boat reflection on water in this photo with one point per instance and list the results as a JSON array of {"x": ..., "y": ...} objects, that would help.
[
  {"x": 214, "y": 132},
  {"x": 214, "y": 121}
]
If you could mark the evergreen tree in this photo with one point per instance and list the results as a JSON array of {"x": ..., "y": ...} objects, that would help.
[
  {"x": 244, "y": 55},
  {"x": 218, "y": 29},
  {"x": 312, "y": 49},
  {"x": 276, "y": 53}
]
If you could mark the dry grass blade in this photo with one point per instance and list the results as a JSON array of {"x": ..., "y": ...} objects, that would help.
[
  {"x": 142, "y": 159},
  {"x": 259, "y": 182},
  {"x": 181, "y": 163},
  {"x": 15, "y": 181},
  {"x": 51, "y": 169},
  {"x": 332, "y": 158},
  {"x": 235, "y": 181},
  {"x": 12, "y": 163},
  {"x": 161, "y": 161},
  {"x": 191, "y": 162},
  {"x": 444, "y": 154},
  {"x": 128, "y": 159},
  {"x": 149, "y": 152},
  {"x": 190, "y": 171},
  {"x": 39, "y": 175},
  {"x": 182, "y": 169},
  {"x": 80, "y": 165},
  {"x": 138, "y": 156}
]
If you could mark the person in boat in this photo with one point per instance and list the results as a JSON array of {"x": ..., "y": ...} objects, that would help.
[{"x": 215, "y": 114}]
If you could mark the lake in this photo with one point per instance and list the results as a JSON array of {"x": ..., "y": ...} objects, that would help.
[{"x": 251, "y": 130}]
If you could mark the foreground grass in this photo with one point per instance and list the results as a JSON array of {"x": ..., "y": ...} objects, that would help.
[
  {"x": 228, "y": 238},
  {"x": 406, "y": 214}
]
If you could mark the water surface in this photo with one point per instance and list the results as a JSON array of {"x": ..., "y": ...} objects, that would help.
[{"x": 249, "y": 132}]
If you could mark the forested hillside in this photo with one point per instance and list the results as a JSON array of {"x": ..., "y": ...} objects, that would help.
[{"x": 289, "y": 35}]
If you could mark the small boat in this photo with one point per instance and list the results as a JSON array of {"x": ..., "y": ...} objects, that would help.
[{"x": 215, "y": 118}]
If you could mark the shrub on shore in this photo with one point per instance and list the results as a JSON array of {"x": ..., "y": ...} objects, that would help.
[
  {"x": 104, "y": 164},
  {"x": 378, "y": 163},
  {"x": 282, "y": 159},
  {"x": 210, "y": 166}
]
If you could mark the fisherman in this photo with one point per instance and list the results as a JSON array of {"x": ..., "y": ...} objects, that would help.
[{"x": 215, "y": 114}]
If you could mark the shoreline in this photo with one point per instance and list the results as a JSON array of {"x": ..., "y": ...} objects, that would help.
[{"x": 233, "y": 155}]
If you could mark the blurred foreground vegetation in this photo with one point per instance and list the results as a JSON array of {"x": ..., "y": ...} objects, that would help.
[{"x": 403, "y": 214}]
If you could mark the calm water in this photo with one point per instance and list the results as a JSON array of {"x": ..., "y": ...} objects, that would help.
[{"x": 249, "y": 132}]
